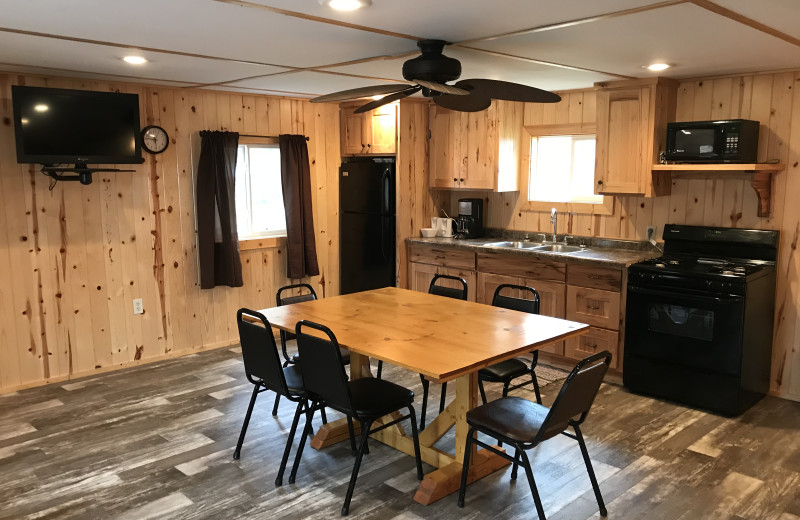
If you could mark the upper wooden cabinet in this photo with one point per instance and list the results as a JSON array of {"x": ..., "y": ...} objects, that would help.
[
  {"x": 478, "y": 150},
  {"x": 632, "y": 119},
  {"x": 370, "y": 133}
]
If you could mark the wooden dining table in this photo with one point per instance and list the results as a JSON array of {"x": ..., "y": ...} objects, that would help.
[{"x": 441, "y": 338}]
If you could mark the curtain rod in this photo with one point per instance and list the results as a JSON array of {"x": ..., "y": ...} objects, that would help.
[{"x": 268, "y": 136}]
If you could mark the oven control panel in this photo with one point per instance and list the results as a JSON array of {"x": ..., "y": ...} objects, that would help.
[{"x": 663, "y": 280}]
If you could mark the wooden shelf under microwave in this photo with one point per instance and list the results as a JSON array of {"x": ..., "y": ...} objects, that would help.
[{"x": 761, "y": 178}]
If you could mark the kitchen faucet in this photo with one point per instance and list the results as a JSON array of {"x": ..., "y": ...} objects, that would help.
[{"x": 554, "y": 221}]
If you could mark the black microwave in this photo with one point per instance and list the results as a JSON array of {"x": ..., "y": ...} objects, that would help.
[{"x": 730, "y": 141}]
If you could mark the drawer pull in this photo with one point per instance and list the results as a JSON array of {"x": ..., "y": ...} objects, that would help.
[
  {"x": 593, "y": 308},
  {"x": 594, "y": 277},
  {"x": 593, "y": 346}
]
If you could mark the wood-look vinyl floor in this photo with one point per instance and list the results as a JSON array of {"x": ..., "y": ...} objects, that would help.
[{"x": 156, "y": 442}]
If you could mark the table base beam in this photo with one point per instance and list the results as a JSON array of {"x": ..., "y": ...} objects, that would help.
[{"x": 446, "y": 480}]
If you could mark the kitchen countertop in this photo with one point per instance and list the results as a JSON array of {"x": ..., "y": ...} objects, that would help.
[{"x": 610, "y": 253}]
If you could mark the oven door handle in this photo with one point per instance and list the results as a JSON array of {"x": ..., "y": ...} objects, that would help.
[{"x": 699, "y": 297}]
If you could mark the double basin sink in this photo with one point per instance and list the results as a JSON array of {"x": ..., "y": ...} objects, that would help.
[{"x": 537, "y": 246}]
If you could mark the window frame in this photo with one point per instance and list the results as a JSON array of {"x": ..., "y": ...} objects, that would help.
[
  {"x": 606, "y": 207},
  {"x": 260, "y": 240}
]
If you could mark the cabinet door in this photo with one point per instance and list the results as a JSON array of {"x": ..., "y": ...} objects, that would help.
[
  {"x": 420, "y": 276},
  {"x": 441, "y": 161},
  {"x": 488, "y": 284},
  {"x": 623, "y": 117},
  {"x": 551, "y": 303},
  {"x": 596, "y": 340},
  {"x": 352, "y": 132},
  {"x": 481, "y": 150},
  {"x": 382, "y": 126},
  {"x": 468, "y": 276}
]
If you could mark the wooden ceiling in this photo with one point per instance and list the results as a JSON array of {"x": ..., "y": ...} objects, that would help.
[{"x": 300, "y": 48}]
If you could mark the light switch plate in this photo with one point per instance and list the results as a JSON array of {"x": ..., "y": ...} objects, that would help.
[{"x": 138, "y": 307}]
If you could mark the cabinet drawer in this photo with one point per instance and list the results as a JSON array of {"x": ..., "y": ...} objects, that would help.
[
  {"x": 593, "y": 306},
  {"x": 596, "y": 277},
  {"x": 596, "y": 340},
  {"x": 531, "y": 268},
  {"x": 441, "y": 256}
]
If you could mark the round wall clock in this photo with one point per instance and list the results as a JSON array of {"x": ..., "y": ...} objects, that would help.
[{"x": 154, "y": 139}]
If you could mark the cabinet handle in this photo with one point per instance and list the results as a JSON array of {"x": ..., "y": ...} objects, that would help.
[
  {"x": 455, "y": 179},
  {"x": 594, "y": 277},
  {"x": 591, "y": 346},
  {"x": 461, "y": 179},
  {"x": 600, "y": 182},
  {"x": 593, "y": 308},
  {"x": 369, "y": 145}
]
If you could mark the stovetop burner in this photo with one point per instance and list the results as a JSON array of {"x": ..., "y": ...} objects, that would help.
[{"x": 703, "y": 266}]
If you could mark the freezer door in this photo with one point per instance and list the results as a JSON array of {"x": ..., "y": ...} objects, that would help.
[
  {"x": 367, "y": 254},
  {"x": 366, "y": 187}
]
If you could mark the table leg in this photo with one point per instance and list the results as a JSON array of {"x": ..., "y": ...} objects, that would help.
[{"x": 446, "y": 480}]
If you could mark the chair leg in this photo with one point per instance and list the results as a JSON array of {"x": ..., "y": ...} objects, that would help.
[
  {"x": 483, "y": 392},
  {"x": 505, "y": 388},
  {"x": 536, "y": 387},
  {"x": 306, "y": 433},
  {"x": 415, "y": 436},
  {"x": 323, "y": 415},
  {"x": 365, "y": 426},
  {"x": 595, "y": 485},
  {"x": 352, "y": 436},
  {"x": 441, "y": 400},
  {"x": 462, "y": 490},
  {"x": 516, "y": 465},
  {"x": 380, "y": 368},
  {"x": 425, "y": 385},
  {"x": 289, "y": 441},
  {"x": 275, "y": 406},
  {"x": 534, "y": 491},
  {"x": 238, "y": 451}
]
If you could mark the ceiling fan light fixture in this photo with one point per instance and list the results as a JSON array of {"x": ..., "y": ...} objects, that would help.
[
  {"x": 657, "y": 67},
  {"x": 346, "y": 5}
]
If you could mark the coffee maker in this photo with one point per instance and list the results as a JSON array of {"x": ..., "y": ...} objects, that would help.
[{"x": 469, "y": 223}]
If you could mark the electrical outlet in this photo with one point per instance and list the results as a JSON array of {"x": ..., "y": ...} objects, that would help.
[
  {"x": 651, "y": 232},
  {"x": 138, "y": 307}
]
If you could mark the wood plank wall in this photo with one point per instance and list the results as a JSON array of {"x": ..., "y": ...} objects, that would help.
[
  {"x": 727, "y": 201},
  {"x": 73, "y": 258}
]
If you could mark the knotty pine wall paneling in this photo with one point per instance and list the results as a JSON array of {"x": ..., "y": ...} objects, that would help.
[
  {"x": 725, "y": 200},
  {"x": 72, "y": 259}
]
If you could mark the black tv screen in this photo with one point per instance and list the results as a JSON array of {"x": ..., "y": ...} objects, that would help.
[{"x": 57, "y": 126}]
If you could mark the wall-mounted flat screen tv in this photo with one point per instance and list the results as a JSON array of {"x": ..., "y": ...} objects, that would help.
[{"x": 57, "y": 126}]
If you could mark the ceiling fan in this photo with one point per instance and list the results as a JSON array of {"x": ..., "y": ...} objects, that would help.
[{"x": 430, "y": 73}]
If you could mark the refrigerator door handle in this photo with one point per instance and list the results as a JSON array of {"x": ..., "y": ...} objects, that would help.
[{"x": 385, "y": 195}]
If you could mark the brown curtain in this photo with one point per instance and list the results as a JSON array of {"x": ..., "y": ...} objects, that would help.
[
  {"x": 301, "y": 249},
  {"x": 217, "y": 238}
]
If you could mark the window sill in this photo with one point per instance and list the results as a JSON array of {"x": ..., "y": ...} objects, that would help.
[
  {"x": 261, "y": 243},
  {"x": 606, "y": 208}
]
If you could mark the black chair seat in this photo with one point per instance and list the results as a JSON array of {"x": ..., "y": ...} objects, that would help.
[
  {"x": 504, "y": 371},
  {"x": 376, "y": 397},
  {"x": 294, "y": 380},
  {"x": 512, "y": 417}
]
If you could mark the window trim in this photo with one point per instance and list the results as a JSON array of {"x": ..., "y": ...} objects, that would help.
[
  {"x": 264, "y": 240},
  {"x": 605, "y": 208}
]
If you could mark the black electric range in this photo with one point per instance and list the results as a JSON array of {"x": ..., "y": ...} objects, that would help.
[{"x": 699, "y": 319}]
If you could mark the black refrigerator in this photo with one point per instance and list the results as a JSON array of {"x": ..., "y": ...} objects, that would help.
[{"x": 366, "y": 224}]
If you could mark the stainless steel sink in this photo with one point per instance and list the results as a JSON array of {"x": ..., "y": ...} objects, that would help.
[
  {"x": 514, "y": 245},
  {"x": 558, "y": 248}
]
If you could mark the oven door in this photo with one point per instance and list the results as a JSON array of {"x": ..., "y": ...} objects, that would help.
[{"x": 703, "y": 331}]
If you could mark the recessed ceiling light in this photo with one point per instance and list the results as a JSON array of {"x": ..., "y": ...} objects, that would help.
[
  {"x": 134, "y": 60},
  {"x": 346, "y": 5},
  {"x": 658, "y": 67}
]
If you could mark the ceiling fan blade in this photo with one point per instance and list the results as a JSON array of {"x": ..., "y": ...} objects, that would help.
[
  {"x": 441, "y": 87},
  {"x": 361, "y": 92},
  {"x": 508, "y": 91},
  {"x": 474, "y": 102},
  {"x": 372, "y": 105}
]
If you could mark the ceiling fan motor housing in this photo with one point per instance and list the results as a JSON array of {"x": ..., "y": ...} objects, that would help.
[{"x": 432, "y": 65}]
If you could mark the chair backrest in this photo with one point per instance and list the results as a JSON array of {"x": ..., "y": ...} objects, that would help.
[
  {"x": 259, "y": 352},
  {"x": 576, "y": 395},
  {"x": 280, "y": 299},
  {"x": 322, "y": 368},
  {"x": 459, "y": 293},
  {"x": 517, "y": 304}
]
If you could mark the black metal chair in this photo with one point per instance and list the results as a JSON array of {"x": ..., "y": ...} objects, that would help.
[
  {"x": 365, "y": 400},
  {"x": 506, "y": 371},
  {"x": 281, "y": 299},
  {"x": 263, "y": 369},
  {"x": 524, "y": 424},
  {"x": 459, "y": 293}
]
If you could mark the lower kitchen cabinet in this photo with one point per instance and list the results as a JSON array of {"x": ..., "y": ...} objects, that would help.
[
  {"x": 420, "y": 276},
  {"x": 596, "y": 340}
]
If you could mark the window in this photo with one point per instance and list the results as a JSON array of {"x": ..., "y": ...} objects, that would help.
[
  {"x": 562, "y": 169},
  {"x": 259, "y": 200}
]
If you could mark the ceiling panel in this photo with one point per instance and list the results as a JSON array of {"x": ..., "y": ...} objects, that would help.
[
  {"x": 782, "y": 15},
  {"x": 202, "y": 27},
  {"x": 99, "y": 59},
  {"x": 697, "y": 41},
  {"x": 306, "y": 83},
  {"x": 458, "y": 20},
  {"x": 483, "y": 65}
]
